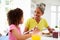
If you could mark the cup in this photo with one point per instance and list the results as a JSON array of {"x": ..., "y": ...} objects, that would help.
[
  {"x": 55, "y": 34},
  {"x": 36, "y": 37}
]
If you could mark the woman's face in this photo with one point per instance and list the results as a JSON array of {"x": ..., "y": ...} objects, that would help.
[{"x": 37, "y": 13}]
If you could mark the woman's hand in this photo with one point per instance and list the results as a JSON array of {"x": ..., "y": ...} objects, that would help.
[{"x": 51, "y": 29}]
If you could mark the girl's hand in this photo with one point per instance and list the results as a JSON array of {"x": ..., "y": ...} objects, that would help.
[{"x": 36, "y": 30}]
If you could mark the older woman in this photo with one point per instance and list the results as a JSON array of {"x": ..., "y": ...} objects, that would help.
[{"x": 37, "y": 20}]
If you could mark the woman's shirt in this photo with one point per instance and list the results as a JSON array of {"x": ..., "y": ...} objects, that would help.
[
  {"x": 31, "y": 23},
  {"x": 11, "y": 36}
]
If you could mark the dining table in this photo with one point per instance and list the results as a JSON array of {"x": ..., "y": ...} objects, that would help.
[{"x": 45, "y": 38}]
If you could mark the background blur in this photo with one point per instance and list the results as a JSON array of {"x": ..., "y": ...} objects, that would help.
[
  {"x": 6, "y": 5},
  {"x": 52, "y": 11}
]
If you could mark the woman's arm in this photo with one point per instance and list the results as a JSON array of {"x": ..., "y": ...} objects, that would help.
[
  {"x": 50, "y": 29},
  {"x": 19, "y": 36}
]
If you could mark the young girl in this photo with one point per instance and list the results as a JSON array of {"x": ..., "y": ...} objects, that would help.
[{"x": 15, "y": 17}]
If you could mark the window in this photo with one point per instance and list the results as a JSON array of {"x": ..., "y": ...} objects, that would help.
[
  {"x": 59, "y": 15},
  {"x": 53, "y": 8},
  {"x": 58, "y": 8},
  {"x": 55, "y": 14},
  {"x": 53, "y": 19},
  {"x": 59, "y": 19}
]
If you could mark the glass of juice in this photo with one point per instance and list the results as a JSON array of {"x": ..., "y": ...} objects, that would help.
[{"x": 36, "y": 37}]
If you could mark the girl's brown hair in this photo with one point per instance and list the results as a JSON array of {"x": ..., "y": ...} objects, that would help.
[{"x": 14, "y": 16}]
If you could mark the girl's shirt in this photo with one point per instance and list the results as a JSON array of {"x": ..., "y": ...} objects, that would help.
[{"x": 11, "y": 36}]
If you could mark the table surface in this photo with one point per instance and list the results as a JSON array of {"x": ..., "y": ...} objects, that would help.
[
  {"x": 42, "y": 38},
  {"x": 46, "y": 38}
]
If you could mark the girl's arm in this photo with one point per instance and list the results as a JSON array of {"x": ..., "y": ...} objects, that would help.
[
  {"x": 19, "y": 36},
  {"x": 26, "y": 29}
]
